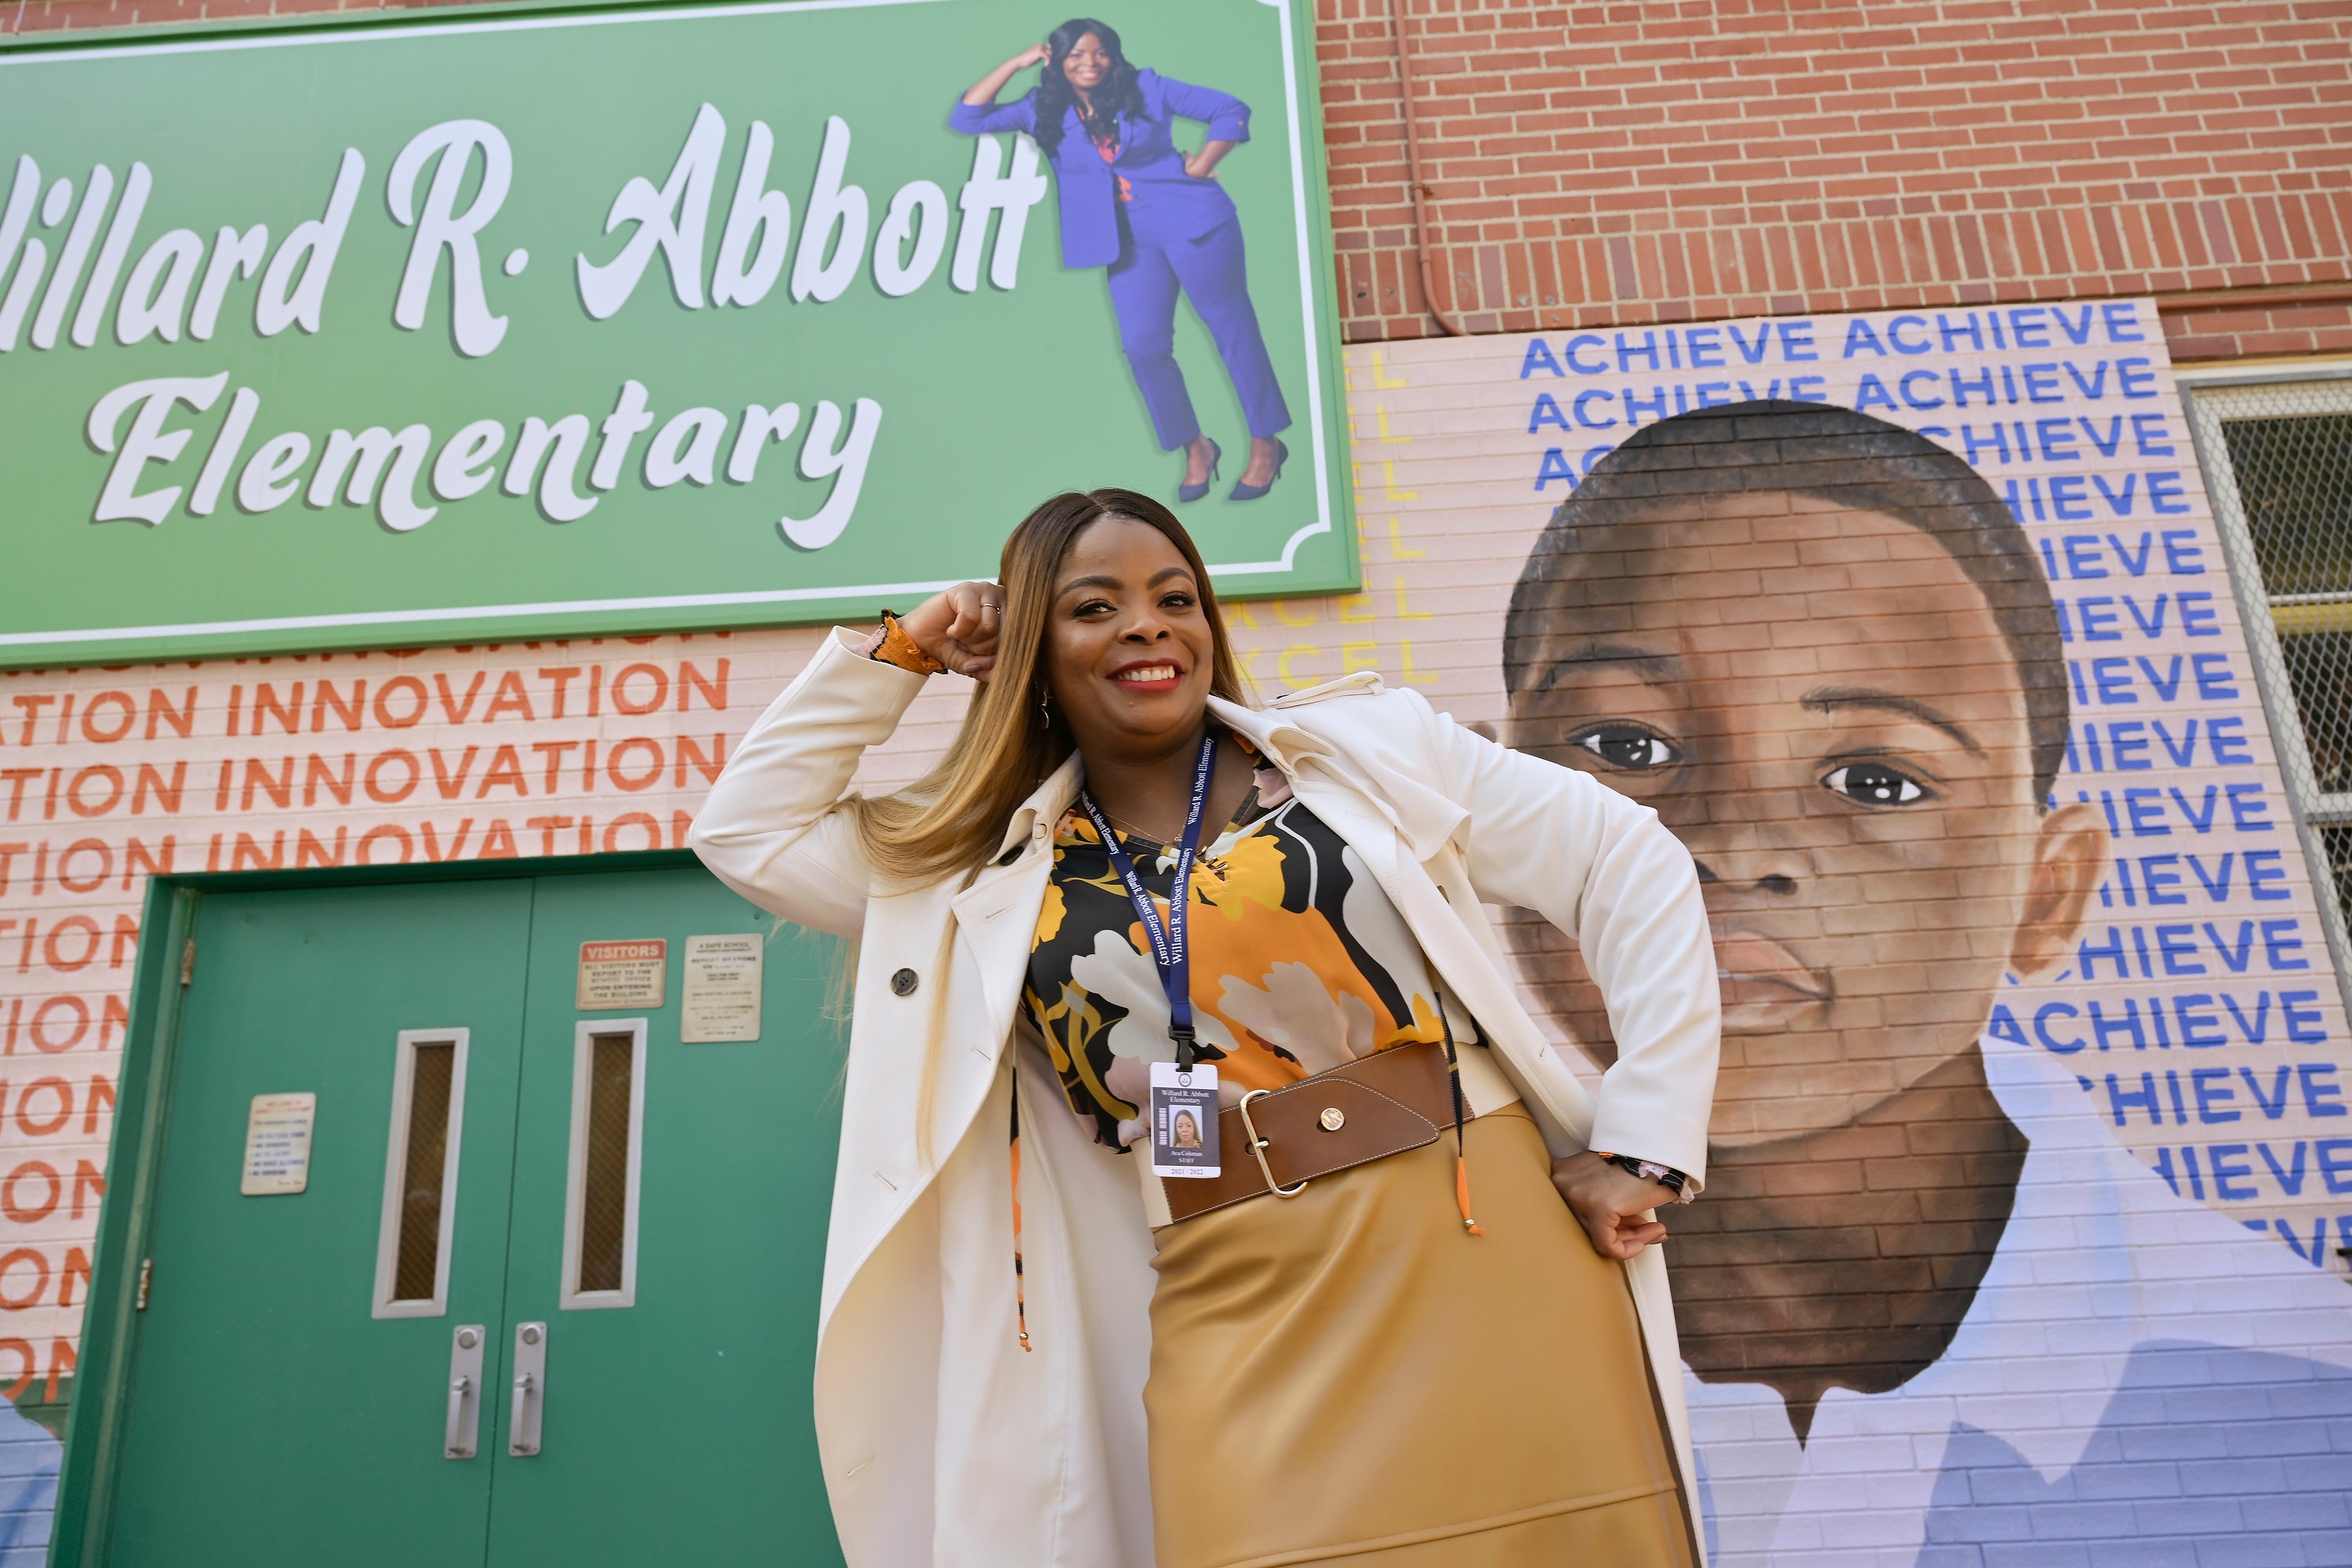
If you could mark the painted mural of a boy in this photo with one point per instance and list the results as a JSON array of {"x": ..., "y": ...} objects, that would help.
[{"x": 1924, "y": 1288}]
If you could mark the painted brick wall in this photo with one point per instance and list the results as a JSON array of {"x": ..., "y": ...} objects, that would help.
[
  {"x": 2134, "y": 1336},
  {"x": 1621, "y": 163},
  {"x": 526, "y": 748}
]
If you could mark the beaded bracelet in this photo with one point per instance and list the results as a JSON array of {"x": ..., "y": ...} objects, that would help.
[{"x": 1666, "y": 1176}]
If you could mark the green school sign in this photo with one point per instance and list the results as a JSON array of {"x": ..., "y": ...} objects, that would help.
[{"x": 544, "y": 323}]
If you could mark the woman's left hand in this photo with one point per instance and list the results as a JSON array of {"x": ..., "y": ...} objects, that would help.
[
  {"x": 1201, "y": 166},
  {"x": 1613, "y": 1204}
]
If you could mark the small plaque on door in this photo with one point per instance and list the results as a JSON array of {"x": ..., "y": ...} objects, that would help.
[
  {"x": 721, "y": 998},
  {"x": 617, "y": 974},
  {"x": 277, "y": 1144}
]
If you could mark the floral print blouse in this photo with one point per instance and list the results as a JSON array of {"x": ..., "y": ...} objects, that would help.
[{"x": 1298, "y": 961}]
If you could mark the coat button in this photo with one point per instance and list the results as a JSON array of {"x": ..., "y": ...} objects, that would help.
[{"x": 903, "y": 983}]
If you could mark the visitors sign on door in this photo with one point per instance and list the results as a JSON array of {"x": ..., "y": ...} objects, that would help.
[
  {"x": 616, "y": 975},
  {"x": 618, "y": 321}
]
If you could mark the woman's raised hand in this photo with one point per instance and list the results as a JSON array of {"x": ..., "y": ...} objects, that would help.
[
  {"x": 984, "y": 92},
  {"x": 959, "y": 628}
]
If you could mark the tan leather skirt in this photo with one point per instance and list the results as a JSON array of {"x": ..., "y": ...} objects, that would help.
[{"x": 1349, "y": 1376}]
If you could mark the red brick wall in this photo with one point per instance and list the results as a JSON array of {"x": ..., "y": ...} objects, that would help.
[
  {"x": 1698, "y": 159},
  {"x": 2226, "y": 331},
  {"x": 1690, "y": 159}
]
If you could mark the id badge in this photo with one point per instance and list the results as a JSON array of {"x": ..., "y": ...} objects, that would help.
[{"x": 1183, "y": 1121}]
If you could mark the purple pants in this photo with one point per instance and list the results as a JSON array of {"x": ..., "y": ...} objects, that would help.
[{"x": 1211, "y": 272}]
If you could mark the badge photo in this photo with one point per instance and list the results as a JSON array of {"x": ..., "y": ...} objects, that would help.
[{"x": 1184, "y": 1114}]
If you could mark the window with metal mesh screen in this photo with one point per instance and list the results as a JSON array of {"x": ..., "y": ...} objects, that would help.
[
  {"x": 2294, "y": 489},
  {"x": 417, "y": 1262},
  {"x": 604, "y": 1165},
  {"x": 2278, "y": 463}
]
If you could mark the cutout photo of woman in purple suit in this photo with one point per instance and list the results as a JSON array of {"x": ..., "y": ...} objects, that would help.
[{"x": 1134, "y": 203}]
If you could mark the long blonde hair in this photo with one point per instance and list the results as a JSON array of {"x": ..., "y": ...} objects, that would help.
[{"x": 952, "y": 819}]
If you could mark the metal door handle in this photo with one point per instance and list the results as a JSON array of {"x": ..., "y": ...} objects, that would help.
[
  {"x": 458, "y": 1439},
  {"x": 530, "y": 1402}
]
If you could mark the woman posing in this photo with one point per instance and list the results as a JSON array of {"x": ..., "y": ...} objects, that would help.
[
  {"x": 1361, "y": 1322},
  {"x": 1157, "y": 218}
]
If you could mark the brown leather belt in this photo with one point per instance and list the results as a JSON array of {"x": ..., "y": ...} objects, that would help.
[{"x": 1378, "y": 1105}]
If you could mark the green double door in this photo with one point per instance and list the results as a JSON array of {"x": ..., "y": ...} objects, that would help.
[{"x": 547, "y": 1293}]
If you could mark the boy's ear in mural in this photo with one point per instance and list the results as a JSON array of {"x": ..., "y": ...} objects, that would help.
[
  {"x": 2069, "y": 858},
  {"x": 1820, "y": 647}
]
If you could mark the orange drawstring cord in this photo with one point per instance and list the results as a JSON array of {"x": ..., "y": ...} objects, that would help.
[
  {"x": 1461, "y": 1153},
  {"x": 1462, "y": 1193}
]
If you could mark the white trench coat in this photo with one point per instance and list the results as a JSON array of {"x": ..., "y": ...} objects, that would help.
[{"x": 943, "y": 1443}]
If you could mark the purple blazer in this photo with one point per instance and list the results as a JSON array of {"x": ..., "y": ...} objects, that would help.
[{"x": 1167, "y": 204}]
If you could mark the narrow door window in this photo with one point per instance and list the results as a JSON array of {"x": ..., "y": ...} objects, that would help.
[
  {"x": 600, "y": 1222},
  {"x": 420, "y": 1174}
]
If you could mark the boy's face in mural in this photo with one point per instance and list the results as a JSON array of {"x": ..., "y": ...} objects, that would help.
[{"x": 1817, "y": 701}]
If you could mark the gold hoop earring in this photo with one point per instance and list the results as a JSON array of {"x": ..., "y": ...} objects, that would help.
[{"x": 1045, "y": 713}]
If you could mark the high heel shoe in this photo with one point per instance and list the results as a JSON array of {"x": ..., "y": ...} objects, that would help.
[
  {"x": 1243, "y": 490},
  {"x": 1194, "y": 492}
]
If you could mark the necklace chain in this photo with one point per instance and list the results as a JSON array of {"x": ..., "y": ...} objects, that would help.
[{"x": 1119, "y": 821}]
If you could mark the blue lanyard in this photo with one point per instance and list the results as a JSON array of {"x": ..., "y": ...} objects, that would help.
[{"x": 1168, "y": 948}]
